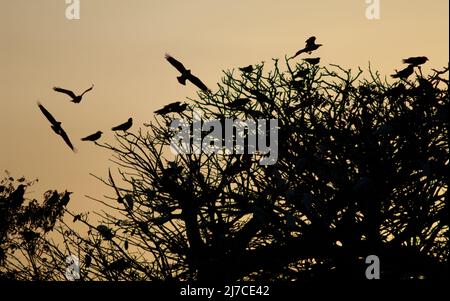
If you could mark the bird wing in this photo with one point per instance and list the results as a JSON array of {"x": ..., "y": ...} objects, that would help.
[
  {"x": 197, "y": 82},
  {"x": 67, "y": 92},
  {"x": 311, "y": 40},
  {"x": 47, "y": 114},
  {"x": 92, "y": 87},
  {"x": 178, "y": 65},
  {"x": 66, "y": 139}
]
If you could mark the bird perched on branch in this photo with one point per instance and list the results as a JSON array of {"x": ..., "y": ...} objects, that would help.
[
  {"x": 186, "y": 74},
  {"x": 124, "y": 126},
  {"x": 175, "y": 107},
  {"x": 71, "y": 94},
  {"x": 404, "y": 73},
  {"x": 416, "y": 61},
  {"x": 238, "y": 103},
  {"x": 312, "y": 61},
  {"x": 56, "y": 126},
  {"x": 94, "y": 137},
  {"x": 247, "y": 69},
  {"x": 309, "y": 47}
]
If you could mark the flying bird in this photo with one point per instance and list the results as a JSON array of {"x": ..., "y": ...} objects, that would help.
[
  {"x": 175, "y": 107},
  {"x": 56, "y": 126},
  {"x": 309, "y": 47},
  {"x": 247, "y": 69},
  {"x": 124, "y": 126},
  {"x": 94, "y": 137},
  {"x": 416, "y": 61},
  {"x": 404, "y": 73},
  {"x": 186, "y": 74},
  {"x": 312, "y": 61},
  {"x": 71, "y": 94}
]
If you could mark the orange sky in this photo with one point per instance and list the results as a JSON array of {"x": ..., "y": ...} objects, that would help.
[{"x": 119, "y": 46}]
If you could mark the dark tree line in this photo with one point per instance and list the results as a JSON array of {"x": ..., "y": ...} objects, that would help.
[{"x": 362, "y": 170}]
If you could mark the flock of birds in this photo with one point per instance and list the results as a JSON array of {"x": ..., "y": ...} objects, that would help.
[{"x": 186, "y": 75}]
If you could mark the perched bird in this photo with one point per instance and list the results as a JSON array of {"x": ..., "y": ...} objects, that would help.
[
  {"x": 309, "y": 47},
  {"x": 261, "y": 97},
  {"x": 75, "y": 98},
  {"x": 16, "y": 197},
  {"x": 186, "y": 74},
  {"x": 66, "y": 198},
  {"x": 247, "y": 69},
  {"x": 312, "y": 61},
  {"x": 416, "y": 61},
  {"x": 56, "y": 126},
  {"x": 124, "y": 126},
  {"x": 175, "y": 107},
  {"x": 93, "y": 137},
  {"x": 404, "y": 73},
  {"x": 105, "y": 232},
  {"x": 238, "y": 103}
]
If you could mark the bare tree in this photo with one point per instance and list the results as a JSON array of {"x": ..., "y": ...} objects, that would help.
[{"x": 362, "y": 169}]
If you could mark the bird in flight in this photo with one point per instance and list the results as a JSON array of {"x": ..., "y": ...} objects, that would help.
[
  {"x": 124, "y": 126},
  {"x": 71, "y": 94},
  {"x": 247, "y": 69},
  {"x": 175, "y": 107},
  {"x": 186, "y": 74},
  {"x": 309, "y": 47},
  {"x": 56, "y": 126},
  {"x": 312, "y": 61},
  {"x": 416, "y": 61},
  {"x": 94, "y": 137},
  {"x": 404, "y": 73}
]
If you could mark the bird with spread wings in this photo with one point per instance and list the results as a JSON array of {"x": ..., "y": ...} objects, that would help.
[
  {"x": 71, "y": 94},
  {"x": 186, "y": 74},
  {"x": 309, "y": 47},
  {"x": 56, "y": 126}
]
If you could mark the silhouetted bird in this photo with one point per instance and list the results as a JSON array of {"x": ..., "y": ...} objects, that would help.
[
  {"x": 309, "y": 47},
  {"x": 238, "y": 103},
  {"x": 105, "y": 232},
  {"x": 404, "y": 73},
  {"x": 416, "y": 61},
  {"x": 93, "y": 137},
  {"x": 75, "y": 98},
  {"x": 175, "y": 107},
  {"x": 56, "y": 126},
  {"x": 186, "y": 74},
  {"x": 247, "y": 69},
  {"x": 312, "y": 61},
  {"x": 124, "y": 126},
  {"x": 261, "y": 97},
  {"x": 66, "y": 198},
  {"x": 16, "y": 197}
]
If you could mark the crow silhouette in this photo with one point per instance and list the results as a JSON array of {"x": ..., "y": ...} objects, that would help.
[
  {"x": 71, "y": 94},
  {"x": 94, "y": 137},
  {"x": 175, "y": 107},
  {"x": 56, "y": 126},
  {"x": 16, "y": 197},
  {"x": 416, "y": 61},
  {"x": 238, "y": 103},
  {"x": 309, "y": 47},
  {"x": 186, "y": 74},
  {"x": 124, "y": 126},
  {"x": 312, "y": 61},
  {"x": 247, "y": 69},
  {"x": 404, "y": 73}
]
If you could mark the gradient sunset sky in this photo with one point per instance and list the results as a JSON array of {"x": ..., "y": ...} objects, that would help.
[{"x": 119, "y": 46}]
